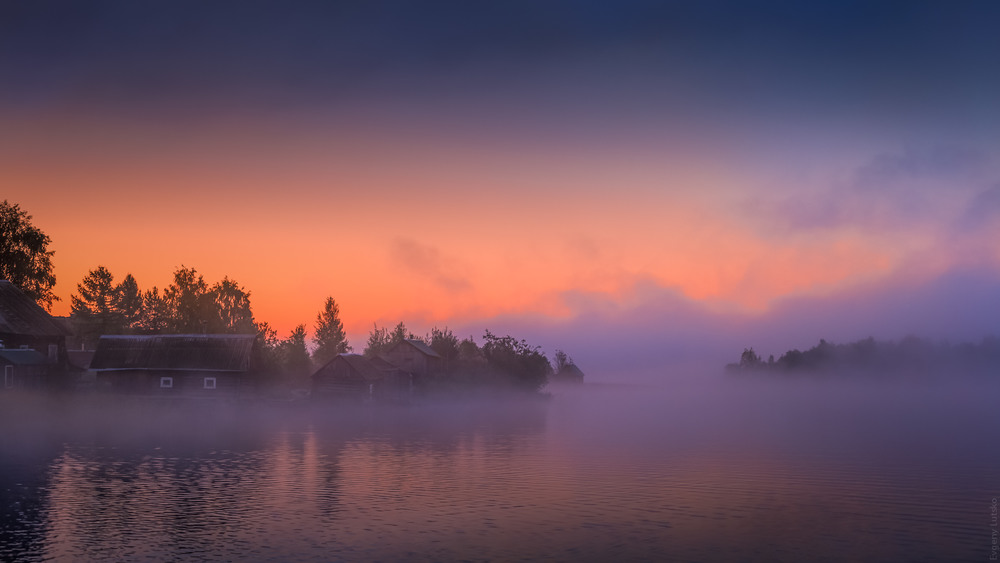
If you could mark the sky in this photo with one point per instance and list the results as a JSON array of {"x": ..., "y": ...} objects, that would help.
[{"x": 624, "y": 180}]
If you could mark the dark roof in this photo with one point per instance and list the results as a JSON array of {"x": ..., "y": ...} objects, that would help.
[
  {"x": 424, "y": 348},
  {"x": 362, "y": 366},
  {"x": 19, "y": 314},
  {"x": 182, "y": 352},
  {"x": 25, "y": 357}
]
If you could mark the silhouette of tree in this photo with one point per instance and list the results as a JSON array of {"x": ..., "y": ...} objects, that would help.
[
  {"x": 524, "y": 365},
  {"x": 129, "y": 303},
  {"x": 445, "y": 343},
  {"x": 294, "y": 355},
  {"x": 95, "y": 306},
  {"x": 191, "y": 305},
  {"x": 330, "y": 338},
  {"x": 155, "y": 317},
  {"x": 25, "y": 259},
  {"x": 232, "y": 305},
  {"x": 378, "y": 341}
]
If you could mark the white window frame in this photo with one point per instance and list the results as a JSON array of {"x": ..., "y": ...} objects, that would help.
[
  {"x": 166, "y": 383},
  {"x": 8, "y": 377},
  {"x": 209, "y": 383}
]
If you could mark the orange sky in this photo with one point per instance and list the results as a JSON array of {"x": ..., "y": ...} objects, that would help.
[{"x": 429, "y": 230}]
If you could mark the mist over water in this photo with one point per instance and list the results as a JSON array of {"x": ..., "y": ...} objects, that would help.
[{"x": 704, "y": 467}]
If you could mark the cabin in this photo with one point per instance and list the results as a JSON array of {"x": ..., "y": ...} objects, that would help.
[
  {"x": 174, "y": 365},
  {"x": 415, "y": 357},
  {"x": 32, "y": 341},
  {"x": 349, "y": 377},
  {"x": 353, "y": 377}
]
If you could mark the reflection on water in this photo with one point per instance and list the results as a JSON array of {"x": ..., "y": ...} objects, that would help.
[{"x": 728, "y": 470}]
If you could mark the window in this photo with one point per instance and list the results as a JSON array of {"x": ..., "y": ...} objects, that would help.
[
  {"x": 8, "y": 376},
  {"x": 53, "y": 352},
  {"x": 166, "y": 383},
  {"x": 209, "y": 383}
]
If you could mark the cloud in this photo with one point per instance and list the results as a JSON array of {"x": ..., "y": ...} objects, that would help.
[
  {"x": 982, "y": 210},
  {"x": 654, "y": 332},
  {"x": 892, "y": 191},
  {"x": 426, "y": 262}
]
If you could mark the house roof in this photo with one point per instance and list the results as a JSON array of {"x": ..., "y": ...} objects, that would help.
[
  {"x": 419, "y": 345},
  {"x": 19, "y": 314},
  {"x": 361, "y": 365},
  {"x": 180, "y": 352},
  {"x": 22, "y": 357}
]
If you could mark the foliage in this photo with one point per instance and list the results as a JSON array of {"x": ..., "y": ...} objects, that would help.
[
  {"x": 155, "y": 315},
  {"x": 25, "y": 259},
  {"x": 129, "y": 303},
  {"x": 330, "y": 338},
  {"x": 294, "y": 356},
  {"x": 94, "y": 307},
  {"x": 381, "y": 339},
  {"x": 445, "y": 343},
  {"x": 231, "y": 304},
  {"x": 189, "y": 302},
  {"x": 911, "y": 355},
  {"x": 525, "y": 366}
]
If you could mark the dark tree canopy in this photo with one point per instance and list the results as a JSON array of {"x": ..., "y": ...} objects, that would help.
[
  {"x": 25, "y": 259},
  {"x": 330, "y": 338}
]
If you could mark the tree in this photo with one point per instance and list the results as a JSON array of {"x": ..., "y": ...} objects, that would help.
[
  {"x": 330, "y": 338},
  {"x": 294, "y": 355},
  {"x": 129, "y": 303},
  {"x": 94, "y": 307},
  {"x": 25, "y": 259},
  {"x": 524, "y": 365},
  {"x": 378, "y": 341},
  {"x": 445, "y": 343},
  {"x": 191, "y": 305},
  {"x": 381, "y": 339},
  {"x": 155, "y": 317},
  {"x": 232, "y": 308},
  {"x": 266, "y": 354}
]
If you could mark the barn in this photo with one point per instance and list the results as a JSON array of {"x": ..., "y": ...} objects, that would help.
[
  {"x": 32, "y": 342},
  {"x": 174, "y": 365}
]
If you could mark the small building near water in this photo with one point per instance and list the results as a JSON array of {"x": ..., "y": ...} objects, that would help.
[
  {"x": 32, "y": 342},
  {"x": 353, "y": 377},
  {"x": 415, "y": 357},
  {"x": 174, "y": 365}
]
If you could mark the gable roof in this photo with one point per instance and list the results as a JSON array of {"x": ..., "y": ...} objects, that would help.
[
  {"x": 180, "y": 352},
  {"x": 421, "y": 346},
  {"x": 19, "y": 314},
  {"x": 357, "y": 364}
]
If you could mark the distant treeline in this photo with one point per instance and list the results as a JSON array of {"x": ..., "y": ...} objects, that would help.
[
  {"x": 911, "y": 355},
  {"x": 191, "y": 305}
]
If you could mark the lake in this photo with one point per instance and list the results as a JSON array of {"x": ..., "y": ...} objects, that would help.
[{"x": 693, "y": 469}]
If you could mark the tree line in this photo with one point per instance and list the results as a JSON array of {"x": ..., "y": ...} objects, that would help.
[
  {"x": 911, "y": 355},
  {"x": 191, "y": 305}
]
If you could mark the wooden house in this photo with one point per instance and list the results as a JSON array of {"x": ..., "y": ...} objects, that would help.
[
  {"x": 353, "y": 377},
  {"x": 348, "y": 377},
  {"x": 415, "y": 357},
  {"x": 25, "y": 326},
  {"x": 174, "y": 365}
]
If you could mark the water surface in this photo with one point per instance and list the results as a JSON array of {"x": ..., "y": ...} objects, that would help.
[{"x": 715, "y": 469}]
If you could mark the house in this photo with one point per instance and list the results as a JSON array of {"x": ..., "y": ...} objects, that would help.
[
  {"x": 347, "y": 376},
  {"x": 415, "y": 357},
  {"x": 354, "y": 377},
  {"x": 174, "y": 365},
  {"x": 25, "y": 326}
]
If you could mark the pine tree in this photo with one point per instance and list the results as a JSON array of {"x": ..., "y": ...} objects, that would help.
[{"x": 330, "y": 338}]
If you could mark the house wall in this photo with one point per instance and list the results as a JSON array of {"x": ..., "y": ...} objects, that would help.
[
  {"x": 408, "y": 358},
  {"x": 339, "y": 379},
  {"x": 13, "y": 376},
  {"x": 184, "y": 383}
]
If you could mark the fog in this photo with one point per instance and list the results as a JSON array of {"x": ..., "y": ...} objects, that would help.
[{"x": 654, "y": 333}]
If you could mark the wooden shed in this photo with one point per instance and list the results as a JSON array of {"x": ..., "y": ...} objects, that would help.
[
  {"x": 25, "y": 326},
  {"x": 348, "y": 377},
  {"x": 174, "y": 365},
  {"x": 415, "y": 357}
]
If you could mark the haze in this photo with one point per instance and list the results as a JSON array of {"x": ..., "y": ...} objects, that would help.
[{"x": 632, "y": 182}]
